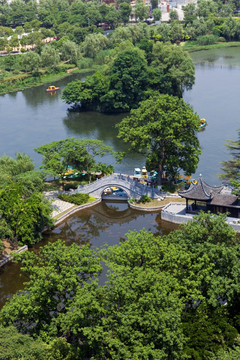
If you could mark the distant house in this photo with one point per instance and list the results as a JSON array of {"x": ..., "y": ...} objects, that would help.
[{"x": 210, "y": 198}]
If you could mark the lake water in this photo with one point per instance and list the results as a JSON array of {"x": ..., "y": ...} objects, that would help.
[{"x": 33, "y": 117}]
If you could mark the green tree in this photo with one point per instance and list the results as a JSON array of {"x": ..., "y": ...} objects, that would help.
[
  {"x": 173, "y": 15},
  {"x": 166, "y": 297},
  {"x": 112, "y": 16},
  {"x": 124, "y": 12},
  {"x": 164, "y": 128},
  {"x": 31, "y": 61},
  {"x": 87, "y": 94},
  {"x": 231, "y": 167},
  {"x": 141, "y": 11},
  {"x": 189, "y": 13},
  {"x": 93, "y": 43},
  {"x": 128, "y": 81},
  {"x": 14, "y": 345},
  {"x": 80, "y": 154},
  {"x": 229, "y": 28},
  {"x": 70, "y": 51},
  {"x": 49, "y": 57},
  {"x": 53, "y": 279},
  {"x": 206, "y": 8},
  {"x": 154, "y": 4},
  {"x": 26, "y": 216},
  {"x": 176, "y": 64},
  {"x": 20, "y": 170},
  {"x": 176, "y": 31},
  {"x": 157, "y": 14}
]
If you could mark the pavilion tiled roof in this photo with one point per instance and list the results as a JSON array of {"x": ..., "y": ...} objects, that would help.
[
  {"x": 201, "y": 191},
  {"x": 227, "y": 200}
]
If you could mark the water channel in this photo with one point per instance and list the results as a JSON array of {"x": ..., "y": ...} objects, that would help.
[{"x": 33, "y": 117}]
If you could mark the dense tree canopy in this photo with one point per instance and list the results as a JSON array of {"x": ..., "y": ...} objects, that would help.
[
  {"x": 23, "y": 218},
  {"x": 164, "y": 128},
  {"x": 165, "y": 296},
  {"x": 132, "y": 75},
  {"x": 20, "y": 170},
  {"x": 79, "y": 154}
]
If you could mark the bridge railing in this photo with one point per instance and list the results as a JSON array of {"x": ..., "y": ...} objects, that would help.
[{"x": 119, "y": 180}]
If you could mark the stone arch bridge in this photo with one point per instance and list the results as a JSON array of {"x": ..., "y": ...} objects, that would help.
[{"x": 132, "y": 187}]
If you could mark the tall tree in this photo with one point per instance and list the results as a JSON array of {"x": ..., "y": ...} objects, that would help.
[
  {"x": 53, "y": 279},
  {"x": 141, "y": 11},
  {"x": 231, "y": 167},
  {"x": 49, "y": 57},
  {"x": 80, "y": 154},
  {"x": 128, "y": 81},
  {"x": 26, "y": 216},
  {"x": 164, "y": 128},
  {"x": 176, "y": 64}
]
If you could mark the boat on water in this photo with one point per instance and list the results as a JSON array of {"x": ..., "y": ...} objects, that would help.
[
  {"x": 203, "y": 123},
  {"x": 52, "y": 88}
]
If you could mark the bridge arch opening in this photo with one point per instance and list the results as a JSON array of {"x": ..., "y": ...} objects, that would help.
[{"x": 115, "y": 193}]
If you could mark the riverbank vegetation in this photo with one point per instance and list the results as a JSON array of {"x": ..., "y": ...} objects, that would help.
[
  {"x": 179, "y": 293},
  {"x": 74, "y": 35},
  {"x": 24, "y": 211},
  {"x": 231, "y": 168},
  {"x": 77, "y": 199},
  {"x": 131, "y": 77},
  {"x": 73, "y": 157},
  {"x": 164, "y": 128}
]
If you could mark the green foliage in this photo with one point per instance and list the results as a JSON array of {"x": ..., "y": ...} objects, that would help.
[
  {"x": 128, "y": 81},
  {"x": 163, "y": 298},
  {"x": 157, "y": 14},
  {"x": 145, "y": 198},
  {"x": 176, "y": 65},
  {"x": 79, "y": 154},
  {"x": 49, "y": 57},
  {"x": 55, "y": 276},
  {"x": 14, "y": 345},
  {"x": 231, "y": 167},
  {"x": 173, "y": 14},
  {"x": 206, "y": 40},
  {"x": 164, "y": 128},
  {"x": 208, "y": 325},
  {"x": 70, "y": 185},
  {"x": 70, "y": 51},
  {"x": 26, "y": 216},
  {"x": 125, "y": 11},
  {"x": 77, "y": 199},
  {"x": 141, "y": 10},
  {"x": 93, "y": 43},
  {"x": 20, "y": 170}
]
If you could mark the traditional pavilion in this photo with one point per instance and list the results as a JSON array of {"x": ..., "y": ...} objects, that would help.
[{"x": 210, "y": 198}]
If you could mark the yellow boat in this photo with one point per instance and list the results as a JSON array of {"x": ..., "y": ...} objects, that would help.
[{"x": 52, "y": 88}]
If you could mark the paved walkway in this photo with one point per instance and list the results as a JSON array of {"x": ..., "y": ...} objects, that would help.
[{"x": 59, "y": 206}]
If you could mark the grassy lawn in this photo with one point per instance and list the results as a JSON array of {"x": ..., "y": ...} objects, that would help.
[
  {"x": 193, "y": 46},
  {"x": 155, "y": 202}
]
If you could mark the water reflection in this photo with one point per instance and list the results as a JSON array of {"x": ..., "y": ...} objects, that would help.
[{"x": 105, "y": 223}]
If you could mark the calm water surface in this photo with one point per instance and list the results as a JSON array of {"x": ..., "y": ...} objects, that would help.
[
  {"x": 33, "y": 117},
  {"x": 105, "y": 223}
]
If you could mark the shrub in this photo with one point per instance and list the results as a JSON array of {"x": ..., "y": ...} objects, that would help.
[
  {"x": 77, "y": 199},
  {"x": 206, "y": 40},
  {"x": 221, "y": 39},
  {"x": 145, "y": 198},
  {"x": 85, "y": 63},
  {"x": 69, "y": 186}
]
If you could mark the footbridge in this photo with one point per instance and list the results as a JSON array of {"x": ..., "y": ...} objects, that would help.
[{"x": 132, "y": 187}]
